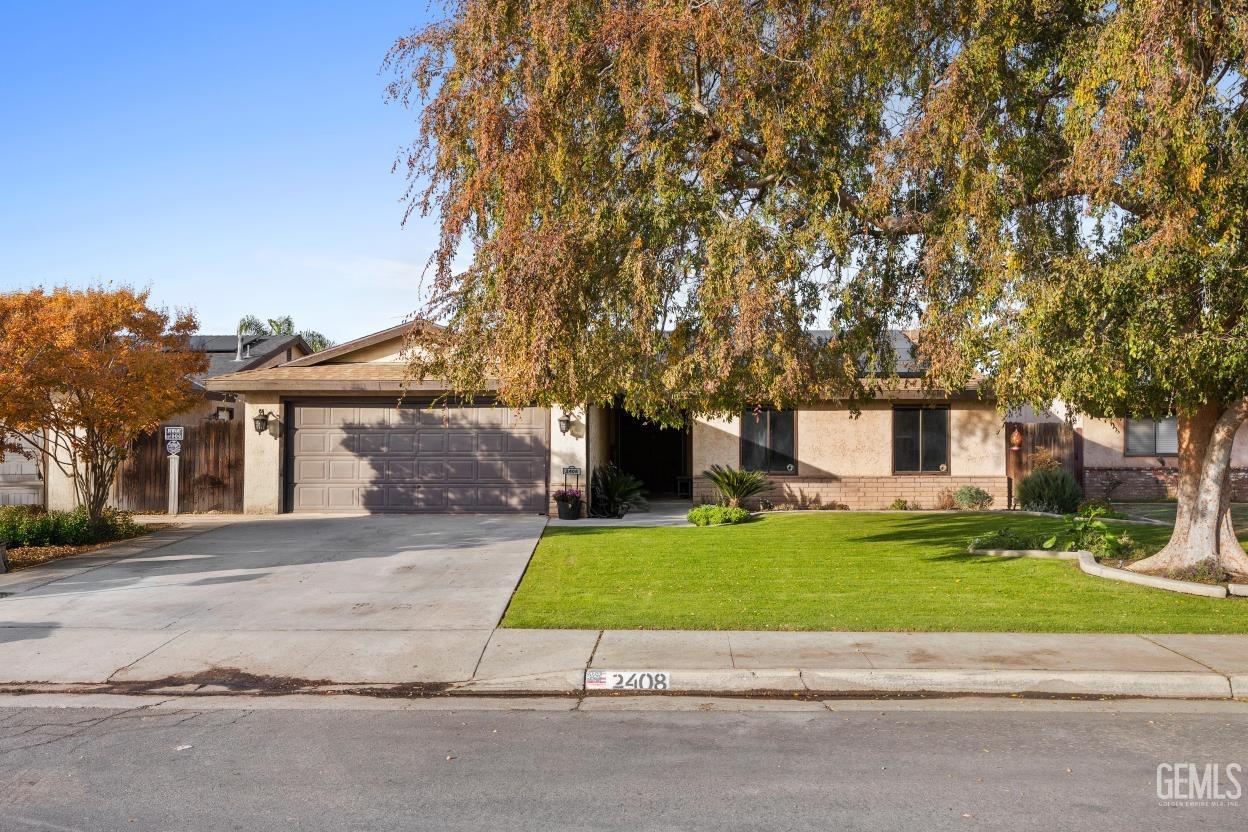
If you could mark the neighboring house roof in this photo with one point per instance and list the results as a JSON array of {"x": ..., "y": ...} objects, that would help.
[
  {"x": 257, "y": 349},
  {"x": 365, "y": 364}
]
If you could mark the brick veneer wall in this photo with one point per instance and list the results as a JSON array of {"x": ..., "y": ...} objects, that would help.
[
  {"x": 1148, "y": 483},
  {"x": 864, "y": 492}
]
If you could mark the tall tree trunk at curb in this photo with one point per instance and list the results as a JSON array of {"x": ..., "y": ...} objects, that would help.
[{"x": 1203, "y": 527}]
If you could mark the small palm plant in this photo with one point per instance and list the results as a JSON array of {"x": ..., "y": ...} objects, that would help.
[
  {"x": 735, "y": 486},
  {"x": 614, "y": 492}
]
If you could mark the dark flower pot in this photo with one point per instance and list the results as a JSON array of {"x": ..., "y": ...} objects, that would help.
[{"x": 569, "y": 509}]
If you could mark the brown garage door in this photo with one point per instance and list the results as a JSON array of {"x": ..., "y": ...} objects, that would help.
[{"x": 372, "y": 456}]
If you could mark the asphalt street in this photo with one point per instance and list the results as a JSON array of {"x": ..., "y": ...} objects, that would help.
[{"x": 447, "y": 766}]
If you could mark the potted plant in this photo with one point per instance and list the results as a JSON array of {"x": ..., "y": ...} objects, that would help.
[{"x": 569, "y": 502}]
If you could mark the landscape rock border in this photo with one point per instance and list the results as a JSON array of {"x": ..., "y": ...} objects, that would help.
[{"x": 1087, "y": 563}]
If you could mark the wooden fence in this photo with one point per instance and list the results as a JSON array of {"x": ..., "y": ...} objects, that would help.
[
  {"x": 210, "y": 475},
  {"x": 1026, "y": 442}
]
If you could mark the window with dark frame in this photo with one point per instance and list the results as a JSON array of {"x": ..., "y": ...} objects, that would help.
[
  {"x": 768, "y": 441},
  {"x": 1151, "y": 437},
  {"x": 921, "y": 440}
]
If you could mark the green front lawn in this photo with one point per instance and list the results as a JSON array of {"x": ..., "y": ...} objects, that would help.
[
  {"x": 839, "y": 571},
  {"x": 1164, "y": 511}
]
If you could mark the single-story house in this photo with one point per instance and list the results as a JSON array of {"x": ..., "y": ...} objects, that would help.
[{"x": 334, "y": 436}]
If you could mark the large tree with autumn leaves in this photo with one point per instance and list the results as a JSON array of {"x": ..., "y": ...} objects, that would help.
[
  {"x": 83, "y": 373},
  {"x": 664, "y": 197}
]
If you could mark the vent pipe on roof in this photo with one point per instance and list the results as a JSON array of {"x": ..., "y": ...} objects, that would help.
[{"x": 238, "y": 352}]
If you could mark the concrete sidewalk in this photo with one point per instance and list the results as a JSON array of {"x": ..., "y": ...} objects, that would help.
[
  {"x": 544, "y": 662},
  {"x": 1198, "y": 666}
]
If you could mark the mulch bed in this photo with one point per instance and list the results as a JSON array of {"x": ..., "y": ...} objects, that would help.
[{"x": 24, "y": 557}]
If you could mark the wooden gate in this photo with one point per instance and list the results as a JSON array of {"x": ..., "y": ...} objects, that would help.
[
  {"x": 1025, "y": 442},
  {"x": 210, "y": 477}
]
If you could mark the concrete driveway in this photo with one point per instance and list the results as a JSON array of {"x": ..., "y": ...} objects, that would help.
[{"x": 358, "y": 599}]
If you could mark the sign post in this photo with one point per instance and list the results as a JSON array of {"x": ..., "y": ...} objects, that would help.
[{"x": 173, "y": 445}]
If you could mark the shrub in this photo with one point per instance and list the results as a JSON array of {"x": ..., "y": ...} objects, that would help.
[
  {"x": 32, "y": 526},
  {"x": 615, "y": 493},
  {"x": 1005, "y": 538},
  {"x": 734, "y": 485},
  {"x": 945, "y": 501},
  {"x": 1096, "y": 507},
  {"x": 900, "y": 504},
  {"x": 972, "y": 497},
  {"x": 1092, "y": 535},
  {"x": 717, "y": 515},
  {"x": 1043, "y": 460},
  {"x": 1053, "y": 490}
]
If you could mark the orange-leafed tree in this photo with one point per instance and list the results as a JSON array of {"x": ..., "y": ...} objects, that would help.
[{"x": 85, "y": 372}]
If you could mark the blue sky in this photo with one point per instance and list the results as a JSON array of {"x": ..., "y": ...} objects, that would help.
[{"x": 232, "y": 157}]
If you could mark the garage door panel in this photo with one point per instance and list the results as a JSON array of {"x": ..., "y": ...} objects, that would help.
[
  {"x": 373, "y": 417},
  {"x": 521, "y": 443},
  {"x": 431, "y": 442},
  {"x": 492, "y": 442},
  {"x": 311, "y": 470},
  {"x": 402, "y": 442},
  {"x": 313, "y": 417},
  {"x": 352, "y": 456},
  {"x": 398, "y": 470},
  {"x": 309, "y": 497},
  {"x": 343, "y": 470},
  {"x": 341, "y": 496},
  {"x": 431, "y": 497}
]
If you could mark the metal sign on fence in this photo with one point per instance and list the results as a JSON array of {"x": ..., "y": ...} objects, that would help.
[{"x": 173, "y": 433}]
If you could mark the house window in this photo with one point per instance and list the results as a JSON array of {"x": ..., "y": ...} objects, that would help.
[
  {"x": 767, "y": 441},
  {"x": 1152, "y": 437},
  {"x": 921, "y": 440}
]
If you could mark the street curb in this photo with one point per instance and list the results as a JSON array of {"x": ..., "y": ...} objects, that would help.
[{"x": 1159, "y": 685}]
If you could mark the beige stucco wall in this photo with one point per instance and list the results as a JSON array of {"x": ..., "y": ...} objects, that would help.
[
  {"x": 262, "y": 455},
  {"x": 1104, "y": 445},
  {"x": 715, "y": 441},
  {"x": 570, "y": 449},
  {"x": 599, "y": 446},
  {"x": 977, "y": 448},
  {"x": 386, "y": 352},
  {"x": 832, "y": 442}
]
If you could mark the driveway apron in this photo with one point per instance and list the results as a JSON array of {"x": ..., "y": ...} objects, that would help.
[{"x": 356, "y": 599}]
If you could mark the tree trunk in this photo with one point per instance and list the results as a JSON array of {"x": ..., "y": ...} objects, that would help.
[{"x": 1203, "y": 528}]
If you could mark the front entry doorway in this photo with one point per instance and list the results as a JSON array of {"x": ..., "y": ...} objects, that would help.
[{"x": 662, "y": 458}]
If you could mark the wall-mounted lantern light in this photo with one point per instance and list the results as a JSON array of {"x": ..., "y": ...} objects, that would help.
[
  {"x": 565, "y": 423},
  {"x": 1016, "y": 440},
  {"x": 261, "y": 421}
]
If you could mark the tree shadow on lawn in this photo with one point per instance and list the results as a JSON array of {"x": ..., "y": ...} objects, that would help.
[{"x": 958, "y": 529}]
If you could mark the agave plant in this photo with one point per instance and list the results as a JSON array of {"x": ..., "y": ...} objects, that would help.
[
  {"x": 614, "y": 492},
  {"x": 735, "y": 486}
]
